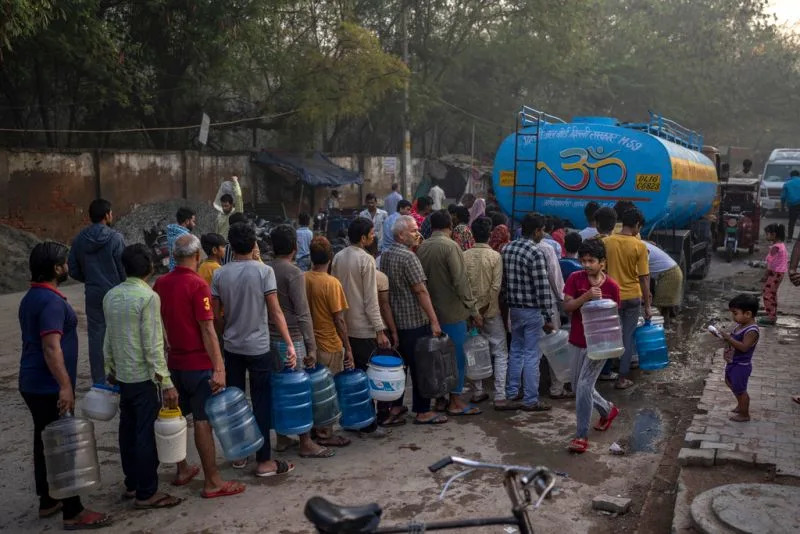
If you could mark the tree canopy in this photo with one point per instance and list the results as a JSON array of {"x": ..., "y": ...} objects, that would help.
[{"x": 330, "y": 75}]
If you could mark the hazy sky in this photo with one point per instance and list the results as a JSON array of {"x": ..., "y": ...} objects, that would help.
[{"x": 787, "y": 11}]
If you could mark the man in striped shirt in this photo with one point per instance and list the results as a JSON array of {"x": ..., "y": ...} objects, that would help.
[
  {"x": 526, "y": 289},
  {"x": 134, "y": 359}
]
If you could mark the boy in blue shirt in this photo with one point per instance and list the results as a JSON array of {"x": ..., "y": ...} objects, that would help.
[{"x": 570, "y": 263}]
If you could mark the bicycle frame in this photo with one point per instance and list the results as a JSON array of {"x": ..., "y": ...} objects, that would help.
[{"x": 516, "y": 481}]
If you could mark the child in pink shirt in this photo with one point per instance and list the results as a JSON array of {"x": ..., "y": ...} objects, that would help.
[{"x": 777, "y": 265}]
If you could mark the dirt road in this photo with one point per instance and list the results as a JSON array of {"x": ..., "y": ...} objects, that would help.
[{"x": 392, "y": 472}]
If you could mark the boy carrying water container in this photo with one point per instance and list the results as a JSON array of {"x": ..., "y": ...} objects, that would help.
[{"x": 591, "y": 283}]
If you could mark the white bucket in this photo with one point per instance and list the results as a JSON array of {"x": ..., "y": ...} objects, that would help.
[
  {"x": 170, "y": 429},
  {"x": 101, "y": 402},
  {"x": 387, "y": 379}
]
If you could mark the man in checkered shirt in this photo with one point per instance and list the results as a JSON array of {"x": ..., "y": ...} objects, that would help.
[
  {"x": 527, "y": 292},
  {"x": 411, "y": 306}
]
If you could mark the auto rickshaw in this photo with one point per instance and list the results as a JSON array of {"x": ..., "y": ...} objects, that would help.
[{"x": 739, "y": 216}]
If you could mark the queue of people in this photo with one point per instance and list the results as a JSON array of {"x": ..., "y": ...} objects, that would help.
[{"x": 232, "y": 320}]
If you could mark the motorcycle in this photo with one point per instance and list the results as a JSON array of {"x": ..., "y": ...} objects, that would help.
[{"x": 156, "y": 241}]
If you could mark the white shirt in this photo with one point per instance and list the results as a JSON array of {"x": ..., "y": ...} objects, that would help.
[
  {"x": 377, "y": 221},
  {"x": 659, "y": 260},
  {"x": 437, "y": 195},
  {"x": 588, "y": 232}
]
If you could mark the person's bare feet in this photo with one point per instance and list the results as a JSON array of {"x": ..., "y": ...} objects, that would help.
[{"x": 740, "y": 418}]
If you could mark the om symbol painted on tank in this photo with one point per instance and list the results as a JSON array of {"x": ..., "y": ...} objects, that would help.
[{"x": 590, "y": 161}]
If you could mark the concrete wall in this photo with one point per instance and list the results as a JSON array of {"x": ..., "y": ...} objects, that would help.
[{"x": 48, "y": 192}]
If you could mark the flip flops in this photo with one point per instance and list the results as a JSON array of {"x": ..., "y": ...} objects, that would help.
[
  {"x": 605, "y": 422},
  {"x": 469, "y": 409},
  {"x": 578, "y": 445},
  {"x": 88, "y": 520},
  {"x": 282, "y": 469},
  {"x": 538, "y": 407},
  {"x": 229, "y": 488},
  {"x": 324, "y": 452},
  {"x": 165, "y": 501},
  {"x": 440, "y": 419}
]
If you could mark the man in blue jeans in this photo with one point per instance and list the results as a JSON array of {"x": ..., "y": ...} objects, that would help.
[
  {"x": 247, "y": 291},
  {"x": 451, "y": 294},
  {"x": 96, "y": 260},
  {"x": 527, "y": 292}
]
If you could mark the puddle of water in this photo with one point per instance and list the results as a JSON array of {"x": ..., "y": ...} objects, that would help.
[{"x": 646, "y": 431}]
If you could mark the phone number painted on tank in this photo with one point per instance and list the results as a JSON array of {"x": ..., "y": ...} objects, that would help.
[{"x": 648, "y": 182}]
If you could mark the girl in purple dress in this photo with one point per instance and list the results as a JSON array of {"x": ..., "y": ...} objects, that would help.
[{"x": 739, "y": 352}]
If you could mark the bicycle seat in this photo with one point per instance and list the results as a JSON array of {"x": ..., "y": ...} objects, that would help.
[{"x": 330, "y": 518}]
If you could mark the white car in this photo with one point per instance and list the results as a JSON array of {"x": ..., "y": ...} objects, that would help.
[{"x": 779, "y": 166}]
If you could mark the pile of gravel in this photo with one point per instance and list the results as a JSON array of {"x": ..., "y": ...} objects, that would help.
[
  {"x": 15, "y": 249},
  {"x": 146, "y": 216}
]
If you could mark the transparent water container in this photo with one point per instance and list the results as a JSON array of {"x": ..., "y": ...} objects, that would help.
[
  {"x": 651, "y": 344},
  {"x": 555, "y": 347},
  {"x": 325, "y": 404},
  {"x": 70, "y": 454},
  {"x": 603, "y": 329},
  {"x": 234, "y": 423},
  {"x": 358, "y": 410},
  {"x": 292, "y": 408},
  {"x": 478, "y": 356}
]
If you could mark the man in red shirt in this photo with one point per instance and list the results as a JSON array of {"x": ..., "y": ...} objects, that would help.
[
  {"x": 194, "y": 361},
  {"x": 584, "y": 286}
]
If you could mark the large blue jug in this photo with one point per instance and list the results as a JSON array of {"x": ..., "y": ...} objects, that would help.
[
  {"x": 651, "y": 344},
  {"x": 234, "y": 423},
  {"x": 352, "y": 387},
  {"x": 291, "y": 402},
  {"x": 323, "y": 396}
]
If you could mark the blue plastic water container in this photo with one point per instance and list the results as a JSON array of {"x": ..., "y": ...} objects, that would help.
[
  {"x": 358, "y": 410},
  {"x": 292, "y": 411},
  {"x": 651, "y": 344},
  {"x": 234, "y": 423},
  {"x": 325, "y": 403}
]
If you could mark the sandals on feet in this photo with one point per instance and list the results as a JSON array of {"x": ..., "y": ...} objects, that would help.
[
  {"x": 333, "y": 441},
  {"x": 229, "y": 488},
  {"x": 324, "y": 452},
  {"x": 469, "y": 409},
  {"x": 579, "y": 445},
  {"x": 88, "y": 520},
  {"x": 439, "y": 419},
  {"x": 623, "y": 383},
  {"x": 282, "y": 468},
  {"x": 605, "y": 422},
  {"x": 164, "y": 501}
]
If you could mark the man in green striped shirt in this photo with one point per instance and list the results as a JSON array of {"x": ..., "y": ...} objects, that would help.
[{"x": 134, "y": 359}]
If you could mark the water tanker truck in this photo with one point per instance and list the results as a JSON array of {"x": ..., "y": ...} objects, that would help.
[{"x": 555, "y": 167}]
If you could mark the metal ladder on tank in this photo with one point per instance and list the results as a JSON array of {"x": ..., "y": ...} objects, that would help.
[{"x": 527, "y": 117}]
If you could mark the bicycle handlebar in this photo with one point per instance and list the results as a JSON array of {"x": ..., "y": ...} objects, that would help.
[{"x": 542, "y": 478}]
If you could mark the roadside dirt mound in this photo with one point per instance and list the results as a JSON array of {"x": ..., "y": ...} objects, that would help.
[
  {"x": 15, "y": 249},
  {"x": 146, "y": 216}
]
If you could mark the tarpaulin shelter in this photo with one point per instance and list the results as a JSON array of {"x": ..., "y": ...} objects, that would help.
[{"x": 315, "y": 170}]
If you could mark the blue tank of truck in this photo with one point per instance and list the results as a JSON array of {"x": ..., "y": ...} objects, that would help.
[{"x": 658, "y": 167}]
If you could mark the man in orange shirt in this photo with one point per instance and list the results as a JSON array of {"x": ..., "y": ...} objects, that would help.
[
  {"x": 628, "y": 265},
  {"x": 327, "y": 302}
]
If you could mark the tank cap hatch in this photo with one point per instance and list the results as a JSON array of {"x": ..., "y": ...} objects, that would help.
[{"x": 609, "y": 121}]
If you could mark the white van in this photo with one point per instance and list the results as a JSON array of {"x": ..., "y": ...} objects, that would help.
[{"x": 780, "y": 164}]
